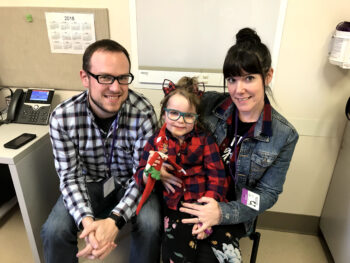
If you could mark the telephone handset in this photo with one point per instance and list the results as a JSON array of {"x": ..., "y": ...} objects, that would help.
[
  {"x": 13, "y": 107},
  {"x": 31, "y": 107}
]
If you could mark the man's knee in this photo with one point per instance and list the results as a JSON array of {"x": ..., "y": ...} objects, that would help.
[
  {"x": 55, "y": 230},
  {"x": 59, "y": 237},
  {"x": 149, "y": 218},
  {"x": 59, "y": 225}
]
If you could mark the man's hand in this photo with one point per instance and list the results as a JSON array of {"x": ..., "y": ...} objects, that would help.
[
  {"x": 105, "y": 232},
  {"x": 90, "y": 240}
]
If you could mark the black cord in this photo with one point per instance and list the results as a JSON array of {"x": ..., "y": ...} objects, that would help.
[
  {"x": 347, "y": 109},
  {"x": 8, "y": 89},
  {"x": 11, "y": 92},
  {"x": 11, "y": 95}
]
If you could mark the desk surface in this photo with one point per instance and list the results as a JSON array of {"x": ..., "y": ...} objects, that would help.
[
  {"x": 11, "y": 131},
  {"x": 34, "y": 178}
]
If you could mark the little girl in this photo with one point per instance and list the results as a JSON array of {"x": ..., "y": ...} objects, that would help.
[{"x": 197, "y": 153}]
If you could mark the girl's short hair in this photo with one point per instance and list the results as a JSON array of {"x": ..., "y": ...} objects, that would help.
[{"x": 188, "y": 83}]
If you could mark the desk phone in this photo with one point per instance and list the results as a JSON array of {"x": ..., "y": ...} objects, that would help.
[{"x": 31, "y": 107}]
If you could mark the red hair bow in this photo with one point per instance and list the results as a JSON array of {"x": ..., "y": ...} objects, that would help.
[{"x": 168, "y": 86}]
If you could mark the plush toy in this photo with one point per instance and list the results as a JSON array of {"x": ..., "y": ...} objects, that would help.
[{"x": 152, "y": 169}]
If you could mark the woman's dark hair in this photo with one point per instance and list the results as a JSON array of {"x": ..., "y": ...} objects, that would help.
[
  {"x": 103, "y": 45},
  {"x": 248, "y": 55}
]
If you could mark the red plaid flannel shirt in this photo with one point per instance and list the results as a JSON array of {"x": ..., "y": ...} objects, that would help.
[{"x": 200, "y": 157}]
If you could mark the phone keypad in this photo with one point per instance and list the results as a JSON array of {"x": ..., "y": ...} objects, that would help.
[{"x": 34, "y": 115}]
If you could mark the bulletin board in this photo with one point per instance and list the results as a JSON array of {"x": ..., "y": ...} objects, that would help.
[{"x": 25, "y": 56}]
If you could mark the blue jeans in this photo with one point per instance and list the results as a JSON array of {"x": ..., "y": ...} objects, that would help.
[{"x": 59, "y": 233}]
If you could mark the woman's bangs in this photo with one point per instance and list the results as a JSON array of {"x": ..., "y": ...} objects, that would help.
[{"x": 241, "y": 63}]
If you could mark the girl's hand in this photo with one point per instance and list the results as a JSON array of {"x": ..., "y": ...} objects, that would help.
[
  {"x": 156, "y": 162},
  {"x": 209, "y": 214},
  {"x": 168, "y": 179},
  {"x": 201, "y": 235}
]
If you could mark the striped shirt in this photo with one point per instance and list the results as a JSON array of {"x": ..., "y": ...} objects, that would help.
[{"x": 81, "y": 152}]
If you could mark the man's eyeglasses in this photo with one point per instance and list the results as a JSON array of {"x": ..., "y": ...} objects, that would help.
[
  {"x": 109, "y": 79},
  {"x": 174, "y": 115}
]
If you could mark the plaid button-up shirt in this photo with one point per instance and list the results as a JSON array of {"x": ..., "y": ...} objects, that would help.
[
  {"x": 199, "y": 156},
  {"x": 80, "y": 151}
]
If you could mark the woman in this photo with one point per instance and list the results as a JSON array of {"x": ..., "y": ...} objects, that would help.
[{"x": 255, "y": 141}]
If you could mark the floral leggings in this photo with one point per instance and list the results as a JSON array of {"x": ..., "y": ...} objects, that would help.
[{"x": 179, "y": 245}]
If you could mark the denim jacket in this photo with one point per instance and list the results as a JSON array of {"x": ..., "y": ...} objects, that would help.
[{"x": 262, "y": 161}]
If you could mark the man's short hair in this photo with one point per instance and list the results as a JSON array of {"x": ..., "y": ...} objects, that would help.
[{"x": 103, "y": 45}]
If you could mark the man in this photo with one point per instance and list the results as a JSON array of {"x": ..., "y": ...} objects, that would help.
[{"x": 97, "y": 138}]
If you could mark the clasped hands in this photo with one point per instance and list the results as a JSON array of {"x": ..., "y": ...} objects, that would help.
[{"x": 99, "y": 238}]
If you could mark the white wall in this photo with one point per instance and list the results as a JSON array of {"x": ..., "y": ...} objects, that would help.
[{"x": 310, "y": 92}]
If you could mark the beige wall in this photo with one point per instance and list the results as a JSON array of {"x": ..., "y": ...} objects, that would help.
[
  {"x": 312, "y": 94},
  {"x": 309, "y": 91}
]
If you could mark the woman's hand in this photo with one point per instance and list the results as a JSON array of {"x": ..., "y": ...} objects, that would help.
[
  {"x": 208, "y": 214},
  {"x": 169, "y": 179}
]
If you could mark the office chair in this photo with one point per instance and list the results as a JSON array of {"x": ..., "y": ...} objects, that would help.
[{"x": 255, "y": 236}]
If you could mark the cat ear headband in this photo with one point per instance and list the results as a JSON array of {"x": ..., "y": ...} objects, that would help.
[{"x": 169, "y": 86}]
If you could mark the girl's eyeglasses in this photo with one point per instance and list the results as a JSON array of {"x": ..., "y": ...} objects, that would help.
[{"x": 174, "y": 115}]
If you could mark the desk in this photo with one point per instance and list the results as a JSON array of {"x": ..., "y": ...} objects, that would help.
[{"x": 34, "y": 178}]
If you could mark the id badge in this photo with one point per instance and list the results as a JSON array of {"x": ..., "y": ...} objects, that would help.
[
  {"x": 250, "y": 199},
  {"x": 108, "y": 186}
]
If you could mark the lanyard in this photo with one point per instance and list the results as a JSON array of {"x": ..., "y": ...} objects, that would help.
[
  {"x": 234, "y": 176},
  {"x": 109, "y": 158}
]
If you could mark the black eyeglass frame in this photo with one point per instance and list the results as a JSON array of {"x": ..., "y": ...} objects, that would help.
[
  {"x": 182, "y": 114},
  {"x": 114, "y": 78}
]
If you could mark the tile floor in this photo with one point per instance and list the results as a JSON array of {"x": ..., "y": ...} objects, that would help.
[{"x": 275, "y": 247}]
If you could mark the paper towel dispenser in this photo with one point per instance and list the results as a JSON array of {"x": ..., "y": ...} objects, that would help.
[{"x": 340, "y": 50}]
